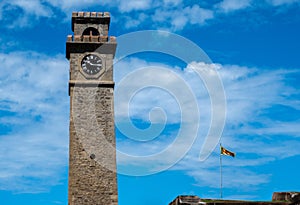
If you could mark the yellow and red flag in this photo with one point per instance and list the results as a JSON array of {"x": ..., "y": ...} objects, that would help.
[{"x": 227, "y": 152}]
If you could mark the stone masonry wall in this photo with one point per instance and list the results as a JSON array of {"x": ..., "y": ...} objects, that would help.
[
  {"x": 83, "y": 20},
  {"x": 92, "y": 147}
]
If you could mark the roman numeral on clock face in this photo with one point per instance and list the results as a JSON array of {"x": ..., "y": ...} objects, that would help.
[{"x": 91, "y": 64}]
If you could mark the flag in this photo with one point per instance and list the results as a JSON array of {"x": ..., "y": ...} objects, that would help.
[{"x": 227, "y": 152}]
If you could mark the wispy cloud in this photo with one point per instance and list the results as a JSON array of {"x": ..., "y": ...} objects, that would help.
[
  {"x": 34, "y": 103},
  {"x": 131, "y": 5},
  {"x": 34, "y": 87},
  {"x": 282, "y": 2},
  {"x": 232, "y": 5},
  {"x": 179, "y": 18},
  {"x": 169, "y": 14},
  {"x": 18, "y": 13},
  {"x": 34, "y": 98},
  {"x": 258, "y": 135}
]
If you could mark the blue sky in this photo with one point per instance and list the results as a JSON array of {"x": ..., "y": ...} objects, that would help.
[{"x": 254, "y": 49}]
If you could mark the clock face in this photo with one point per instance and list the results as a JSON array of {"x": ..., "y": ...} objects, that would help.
[{"x": 91, "y": 64}]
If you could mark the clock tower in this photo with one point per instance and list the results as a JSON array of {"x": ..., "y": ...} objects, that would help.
[{"x": 92, "y": 155}]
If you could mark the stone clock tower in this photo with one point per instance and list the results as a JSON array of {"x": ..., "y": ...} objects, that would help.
[{"x": 92, "y": 159}]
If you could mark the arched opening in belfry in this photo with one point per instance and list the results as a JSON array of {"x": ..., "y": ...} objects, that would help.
[{"x": 90, "y": 31}]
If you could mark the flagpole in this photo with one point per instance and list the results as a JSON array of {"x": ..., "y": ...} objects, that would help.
[{"x": 221, "y": 177}]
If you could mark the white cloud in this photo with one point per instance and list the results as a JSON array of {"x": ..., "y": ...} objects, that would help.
[
  {"x": 33, "y": 7},
  {"x": 29, "y": 75},
  {"x": 121, "y": 5},
  {"x": 282, "y": 2},
  {"x": 130, "y": 5},
  {"x": 168, "y": 14},
  {"x": 149, "y": 97},
  {"x": 181, "y": 17},
  {"x": 33, "y": 90},
  {"x": 232, "y": 5},
  {"x": 198, "y": 15},
  {"x": 23, "y": 12},
  {"x": 250, "y": 92},
  {"x": 67, "y": 5},
  {"x": 172, "y": 2},
  {"x": 179, "y": 21},
  {"x": 34, "y": 87},
  {"x": 263, "y": 90},
  {"x": 133, "y": 22}
]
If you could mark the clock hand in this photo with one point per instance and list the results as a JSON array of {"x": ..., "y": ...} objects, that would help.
[{"x": 95, "y": 64}]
